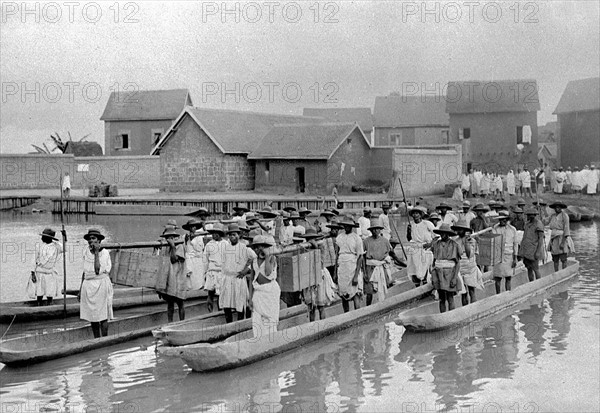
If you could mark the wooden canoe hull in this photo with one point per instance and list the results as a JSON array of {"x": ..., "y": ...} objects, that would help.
[
  {"x": 238, "y": 352},
  {"x": 491, "y": 304},
  {"x": 35, "y": 348},
  {"x": 132, "y": 209},
  {"x": 123, "y": 298}
]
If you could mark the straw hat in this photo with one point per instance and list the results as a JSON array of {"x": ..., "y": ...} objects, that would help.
[
  {"x": 375, "y": 224},
  {"x": 517, "y": 210},
  {"x": 252, "y": 234},
  {"x": 265, "y": 240},
  {"x": 540, "y": 203},
  {"x": 558, "y": 204},
  {"x": 233, "y": 228},
  {"x": 50, "y": 233},
  {"x": 310, "y": 233},
  {"x": 328, "y": 213},
  {"x": 466, "y": 204},
  {"x": 419, "y": 209},
  {"x": 289, "y": 208},
  {"x": 268, "y": 212},
  {"x": 294, "y": 215},
  {"x": 521, "y": 201},
  {"x": 503, "y": 215},
  {"x": 169, "y": 232},
  {"x": 304, "y": 210},
  {"x": 435, "y": 215},
  {"x": 219, "y": 228},
  {"x": 348, "y": 222},
  {"x": 444, "y": 229},
  {"x": 531, "y": 211},
  {"x": 250, "y": 217},
  {"x": 443, "y": 205},
  {"x": 461, "y": 225},
  {"x": 95, "y": 232},
  {"x": 190, "y": 223},
  {"x": 172, "y": 224},
  {"x": 480, "y": 207},
  {"x": 241, "y": 207}
]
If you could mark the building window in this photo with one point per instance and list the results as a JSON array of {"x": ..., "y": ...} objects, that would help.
[
  {"x": 396, "y": 139},
  {"x": 519, "y": 135},
  {"x": 267, "y": 166},
  {"x": 445, "y": 137},
  {"x": 122, "y": 140},
  {"x": 156, "y": 134},
  {"x": 464, "y": 133}
]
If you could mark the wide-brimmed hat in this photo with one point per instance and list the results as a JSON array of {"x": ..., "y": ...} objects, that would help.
[
  {"x": 169, "y": 232},
  {"x": 335, "y": 212},
  {"x": 517, "y": 210},
  {"x": 241, "y": 207},
  {"x": 250, "y": 217},
  {"x": 310, "y": 233},
  {"x": 539, "y": 202},
  {"x": 50, "y": 233},
  {"x": 304, "y": 210},
  {"x": 503, "y": 215},
  {"x": 444, "y": 228},
  {"x": 268, "y": 212},
  {"x": 348, "y": 222},
  {"x": 434, "y": 215},
  {"x": 367, "y": 209},
  {"x": 190, "y": 223},
  {"x": 218, "y": 227},
  {"x": 328, "y": 213},
  {"x": 521, "y": 201},
  {"x": 480, "y": 207},
  {"x": 243, "y": 226},
  {"x": 419, "y": 209},
  {"x": 375, "y": 224},
  {"x": 233, "y": 228},
  {"x": 94, "y": 232},
  {"x": 558, "y": 204},
  {"x": 461, "y": 225},
  {"x": 289, "y": 208},
  {"x": 266, "y": 240},
  {"x": 497, "y": 205},
  {"x": 531, "y": 211},
  {"x": 171, "y": 224},
  {"x": 294, "y": 215},
  {"x": 386, "y": 205},
  {"x": 443, "y": 205},
  {"x": 466, "y": 204},
  {"x": 253, "y": 232}
]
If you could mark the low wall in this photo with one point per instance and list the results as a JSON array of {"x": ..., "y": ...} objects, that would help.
[
  {"x": 425, "y": 170},
  {"x": 45, "y": 171}
]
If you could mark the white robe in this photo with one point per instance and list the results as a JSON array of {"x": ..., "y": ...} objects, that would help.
[
  {"x": 96, "y": 289},
  {"x": 265, "y": 302},
  {"x": 46, "y": 258}
]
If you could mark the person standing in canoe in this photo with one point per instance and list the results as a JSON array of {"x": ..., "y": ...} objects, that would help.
[
  {"x": 265, "y": 294},
  {"x": 350, "y": 262},
  {"x": 213, "y": 257},
  {"x": 44, "y": 279},
  {"x": 379, "y": 255},
  {"x": 560, "y": 234},
  {"x": 532, "y": 246},
  {"x": 96, "y": 291},
  {"x": 237, "y": 261},
  {"x": 420, "y": 235},
  {"x": 506, "y": 268},
  {"x": 384, "y": 221},
  {"x": 470, "y": 273},
  {"x": 194, "y": 254},
  {"x": 177, "y": 276},
  {"x": 446, "y": 266}
]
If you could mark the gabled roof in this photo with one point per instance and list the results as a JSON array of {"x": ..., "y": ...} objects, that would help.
[
  {"x": 305, "y": 141},
  {"x": 395, "y": 111},
  {"x": 234, "y": 132},
  {"x": 492, "y": 96},
  {"x": 146, "y": 105},
  {"x": 549, "y": 151},
  {"x": 362, "y": 116},
  {"x": 579, "y": 96}
]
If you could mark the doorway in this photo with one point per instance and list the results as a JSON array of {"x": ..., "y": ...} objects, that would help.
[{"x": 300, "y": 183}]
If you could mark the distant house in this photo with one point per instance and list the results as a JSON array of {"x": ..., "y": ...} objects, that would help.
[
  {"x": 83, "y": 148},
  {"x": 410, "y": 121},
  {"x": 547, "y": 145},
  {"x": 362, "y": 116},
  {"x": 207, "y": 149},
  {"x": 495, "y": 122},
  {"x": 547, "y": 155},
  {"x": 578, "y": 131},
  {"x": 312, "y": 158},
  {"x": 135, "y": 121}
]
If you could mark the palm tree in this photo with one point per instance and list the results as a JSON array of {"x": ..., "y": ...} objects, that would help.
[{"x": 58, "y": 142}]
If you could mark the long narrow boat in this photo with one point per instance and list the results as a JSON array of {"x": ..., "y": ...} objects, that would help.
[
  {"x": 294, "y": 332},
  {"x": 199, "y": 331},
  {"x": 35, "y": 348},
  {"x": 123, "y": 298},
  {"x": 427, "y": 317}
]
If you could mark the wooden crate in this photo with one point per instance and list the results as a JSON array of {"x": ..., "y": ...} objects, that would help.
[
  {"x": 138, "y": 269},
  {"x": 298, "y": 271},
  {"x": 490, "y": 247}
]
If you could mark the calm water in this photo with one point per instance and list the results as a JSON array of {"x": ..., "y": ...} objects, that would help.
[{"x": 544, "y": 357}]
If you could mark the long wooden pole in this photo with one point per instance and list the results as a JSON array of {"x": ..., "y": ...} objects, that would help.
[{"x": 64, "y": 238}]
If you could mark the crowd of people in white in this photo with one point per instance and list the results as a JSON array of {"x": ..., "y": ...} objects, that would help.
[{"x": 482, "y": 183}]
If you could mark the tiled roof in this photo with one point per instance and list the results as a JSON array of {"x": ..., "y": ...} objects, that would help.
[
  {"x": 234, "y": 131},
  {"x": 304, "y": 141},
  {"x": 491, "y": 96},
  {"x": 580, "y": 95},
  {"x": 146, "y": 105},
  {"x": 410, "y": 111},
  {"x": 362, "y": 116}
]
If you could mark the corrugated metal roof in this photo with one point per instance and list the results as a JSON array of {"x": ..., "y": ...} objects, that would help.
[
  {"x": 580, "y": 95},
  {"x": 491, "y": 96},
  {"x": 234, "y": 131},
  {"x": 397, "y": 111},
  {"x": 362, "y": 116},
  {"x": 145, "y": 105},
  {"x": 304, "y": 141}
]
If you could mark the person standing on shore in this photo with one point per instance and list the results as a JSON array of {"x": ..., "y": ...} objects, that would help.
[
  {"x": 66, "y": 185},
  {"x": 525, "y": 178},
  {"x": 364, "y": 223},
  {"x": 350, "y": 263},
  {"x": 560, "y": 235},
  {"x": 96, "y": 290},
  {"x": 419, "y": 235},
  {"x": 384, "y": 221},
  {"x": 44, "y": 279},
  {"x": 175, "y": 291},
  {"x": 505, "y": 269},
  {"x": 532, "y": 245},
  {"x": 213, "y": 257}
]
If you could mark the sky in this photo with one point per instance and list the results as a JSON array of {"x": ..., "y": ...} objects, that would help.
[{"x": 59, "y": 61}]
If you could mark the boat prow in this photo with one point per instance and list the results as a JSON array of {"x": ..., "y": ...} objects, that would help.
[{"x": 427, "y": 318}]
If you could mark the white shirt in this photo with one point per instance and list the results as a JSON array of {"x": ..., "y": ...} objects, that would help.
[
  {"x": 88, "y": 263},
  {"x": 449, "y": 218},
  {"x": 363, "y": 229},
  {"x": 422, "y": 232}
]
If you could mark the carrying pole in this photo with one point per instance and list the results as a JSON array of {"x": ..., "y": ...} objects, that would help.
[{"x": 64, "y": 238}]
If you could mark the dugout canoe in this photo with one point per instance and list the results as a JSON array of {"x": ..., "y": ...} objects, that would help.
[
  {"x": 26, "y": 311},
  {"x": 243, "y": 349},
  {"x": 36, "y": 348},
  {"x": 427, "y": 318}
]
